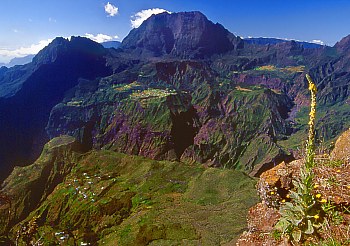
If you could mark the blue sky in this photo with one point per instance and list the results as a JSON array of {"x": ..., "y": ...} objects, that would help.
[{"x": 27, "y": 26}]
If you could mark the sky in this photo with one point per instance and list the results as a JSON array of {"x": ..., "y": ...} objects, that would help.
[{"x": 26, "y": 26}]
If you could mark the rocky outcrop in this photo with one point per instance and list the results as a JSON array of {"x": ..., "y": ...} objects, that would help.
[
  {"x": 330, "y": 182},
  {"x": 341, "y": 149},
  {"x": 261, "y": 221}
]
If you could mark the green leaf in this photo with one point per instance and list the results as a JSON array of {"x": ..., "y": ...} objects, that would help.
[
  {"x": 310, "y": 228},
  {"x": 296, "y": 221},
  {"x": 282, "y": 225},
  {"x": 296, "y": 234},
  {"x": 299, "y": 209}
]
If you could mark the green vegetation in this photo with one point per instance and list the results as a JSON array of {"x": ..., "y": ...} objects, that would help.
[
  {"x": 308, "y": 211},
  {"x": 115, "y": 199},
  {"x": 126, "y": 87},
  {"x": 149, "y": 93},
  {"x": 302, "y": 216}
]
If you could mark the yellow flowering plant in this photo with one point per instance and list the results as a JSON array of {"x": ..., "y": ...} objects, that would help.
[
  {"x": 307, "y": 209},
  {"x": 302, "y": 215}
]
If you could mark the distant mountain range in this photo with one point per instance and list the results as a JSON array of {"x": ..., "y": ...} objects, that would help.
[
  {"x": 271, "y": 41},
  {"x": 111, "y": 44},
  {"x": 117, "y": 44},
  {"x": 166, "y": 86},
  {"x": 18, "y": 61}
]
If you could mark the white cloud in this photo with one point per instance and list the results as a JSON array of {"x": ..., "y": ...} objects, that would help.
[
  {"x": 317, "y": 41},
  {"x": 100, "y": 38},
  {"x": 6, "y": 54},
  {"x": 143, "y": 15},
  {"x": 110, "y": 9}
]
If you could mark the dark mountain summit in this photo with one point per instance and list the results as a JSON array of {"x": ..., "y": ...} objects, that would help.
[
  {"x": 185, "y": 35},
  {"x": 76, "y": 46},
  {"x": 28, "y": 93}
]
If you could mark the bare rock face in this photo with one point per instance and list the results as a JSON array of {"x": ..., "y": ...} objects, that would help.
[
  {"x": 186, "y": 35},
  {"x": 272, "y": 187},
  {"x": 261, "y": 220},
  {"x": 343, "y": 44},
  {"x": 277, "y": 181},
  {"x": 341, "y": 150}
]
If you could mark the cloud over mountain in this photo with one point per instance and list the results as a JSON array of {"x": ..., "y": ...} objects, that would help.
[
  {"x": 317, "y": 41},
  {"x": 100, "y": 38},
  {"x": 139, "y": 17},
  {"x": 6, "y": 54}
]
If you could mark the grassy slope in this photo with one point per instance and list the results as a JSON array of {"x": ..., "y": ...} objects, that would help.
[
  {"x": 117, "y": 199},
  {"x": 331, "y": 120}
]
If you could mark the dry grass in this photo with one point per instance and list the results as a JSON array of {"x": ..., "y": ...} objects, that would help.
[
  {"x": 267, "y": 68},
  {"x": 293, "y": 69},
  {"x": 128, "y": 86},
  {"x": 289, "y": 69},
  {"x": 333, "y": 182},
  {"x": 242, "y": 89}
]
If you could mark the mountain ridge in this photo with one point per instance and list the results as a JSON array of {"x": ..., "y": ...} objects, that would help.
[
  {"x": 271, "y": 41},
  {"x": 143, "y": 73}
]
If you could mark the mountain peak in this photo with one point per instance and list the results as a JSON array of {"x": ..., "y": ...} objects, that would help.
[
  {"x": 183, "y": 34},
  {"x": 343, "y": 44},
  {"x": 60, "y": 46}
]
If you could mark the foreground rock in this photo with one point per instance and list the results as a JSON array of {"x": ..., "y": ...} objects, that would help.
[{"x": 331, "y": 183}]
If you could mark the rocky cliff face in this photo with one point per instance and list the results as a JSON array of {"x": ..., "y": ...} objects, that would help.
[
  {"x": 185, "y": 35},
  {"x": 155, "y": 117},
  {"x": 133, "y": 118}
]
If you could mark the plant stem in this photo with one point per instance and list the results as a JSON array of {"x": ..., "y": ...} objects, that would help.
[{"x": 310, "y": 146}]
